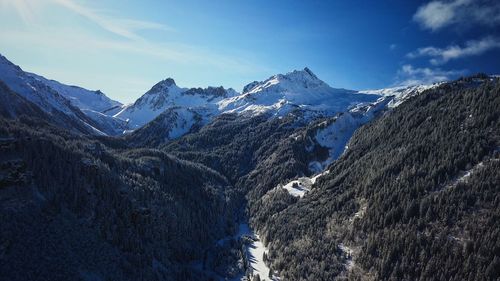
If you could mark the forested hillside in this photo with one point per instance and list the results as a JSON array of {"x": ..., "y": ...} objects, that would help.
[
  {"x": 414, "y": 197},
  {"x": 72, "y": 208}
]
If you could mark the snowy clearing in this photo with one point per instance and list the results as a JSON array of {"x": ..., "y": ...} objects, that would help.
[
  {"x": 348, "y": 252},
  {"x": 301, "y": 186},
  {"x": 255, "y": 254},
  {"x": 462, "y": 177}
]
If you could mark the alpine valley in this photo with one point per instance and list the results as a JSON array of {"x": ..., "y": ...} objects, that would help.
[{"x": 289, "y": 179}]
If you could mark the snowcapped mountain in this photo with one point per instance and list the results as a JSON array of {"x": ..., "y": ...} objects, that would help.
[
  {"x": 48, "y": 99},
  {"x": 276, "y": 96},
  {"x": 299, "y": 89},
  {"x": 177, "y": 110},
  {"x": 13, "y": 105},
  {"x": 72, "y": 107},
  {"x": 80, "y": 97},
  {"x": 334, "y": 133},
  {"x": 401, "y": 93},
  {"x": 33, "y": 89},
  {"x": 166, "y": 95},
  {"x": 171, "y": 124}
]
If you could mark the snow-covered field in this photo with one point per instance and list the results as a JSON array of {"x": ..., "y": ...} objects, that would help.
[
  {"x": 301, "y": 186},
  {"x": 255, "y": 252}
]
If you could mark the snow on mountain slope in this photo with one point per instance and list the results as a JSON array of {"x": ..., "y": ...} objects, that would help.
[
  {"x": 33, "y": 89},
  {"x": 12, "y": 105},
  {"x": 400, "y": 94},
  {"x": 333, "y": 134},
  {"x": 302, "y": 89},
  {"x": 47, "y": 99},
  {"x": 277, "y": 96},
  {"x": 50, "y": 97},
  {"x": 171, "y": 124},
  {"x": 299, "y": 187},
  {"x": 167, "y": 95},
  {"x": 336, "y": 132},
  {"x": 80, "y": 97},
  {"x": 109, "y": 124}
]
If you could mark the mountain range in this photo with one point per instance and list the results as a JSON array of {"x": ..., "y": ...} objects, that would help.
[
  {"x": 182, "y": 110},
  {"x": 289, "y": 179}
]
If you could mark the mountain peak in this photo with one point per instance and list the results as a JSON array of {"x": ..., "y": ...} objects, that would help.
[
  {"x": 6, "y": 62},
  {"x": 167, "y": 82},
  {"x": 305, "y": 73},
  {"x": 308, "y": 71},
  {"x": 162, "y": 87}
]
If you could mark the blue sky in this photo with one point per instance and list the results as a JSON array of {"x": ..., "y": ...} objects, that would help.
[{"x": 123, "y": 47}]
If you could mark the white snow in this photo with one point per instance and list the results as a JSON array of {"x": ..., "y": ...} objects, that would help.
[
  {"x": 462, "y": 177},
  {"x": 335, "y": 133},
  {"x": 278, "y": 95},
  {"x": 361, "y": 211},
  {"x": 302, "y": 185},
  {"x": 299, "y": 187},
  {"x": 255, "y": 251},
  {"x": 281, "y": 94},
  {"x": 465, "y": 177},
  {"x": 111, "y": 123},
  {"x": 80, "y": 97},
  {"x": 32, "y": 89},
  {"x": 166, "y": 95},
  {"x": 401, "y": 93},
  {"x": 52, "y": 96},
  {"x": 183, "y": 122},
  {"x": 348, "y": 252}
]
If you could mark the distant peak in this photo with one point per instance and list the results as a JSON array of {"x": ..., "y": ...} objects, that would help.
[
  {"x": 308, "y": 71},
  {"x": 3, "y": 58},
  {"x": 168, "y": 82},
  {"x": 5, "y": 61},
  {"x": 250, "y": 86},
  {"x": 301, "y": 74},
  {"x": 162, "y": 86}
]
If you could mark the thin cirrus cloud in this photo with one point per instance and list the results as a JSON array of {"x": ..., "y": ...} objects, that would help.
[
  {"x": 440, "y": 56},
  {"x": 123, "y": 27},
  {"x": 436, "y": 15},
  {"x": 408, "y": 75}
]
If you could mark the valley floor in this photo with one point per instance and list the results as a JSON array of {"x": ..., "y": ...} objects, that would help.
[{"x": 255, "y": 252}]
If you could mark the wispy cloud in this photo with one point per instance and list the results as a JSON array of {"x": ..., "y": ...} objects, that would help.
[
  {"x": 26, "y": 9},
  {"x": 409, "y": 75},
  {"x": 122, "y": 27},
  {"x": 443, "y": 55},
  {"x": 85, "y": 40},
  {"x": 436, "y": 15}
]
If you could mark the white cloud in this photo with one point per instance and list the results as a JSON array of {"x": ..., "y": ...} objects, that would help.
[
  {"x": 443, "y": 55},
  {"x": 26, "y": 9},
  {"x": 123, "y": 27},
  {"x": 436, "y": 15},
  {"x": 78, "y": 38},
  {"x": 409, "y": 75}
]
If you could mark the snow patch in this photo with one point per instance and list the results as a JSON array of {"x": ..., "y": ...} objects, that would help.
[
  {"x": 402, "y": 93},
  {"x": 335, "y": 133},
  {"x": 300, "y": 186},
  {"x": 255, "y": 250},
  {"x": 462, "y": 177},
  {"x": 348, "y": 252}
]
